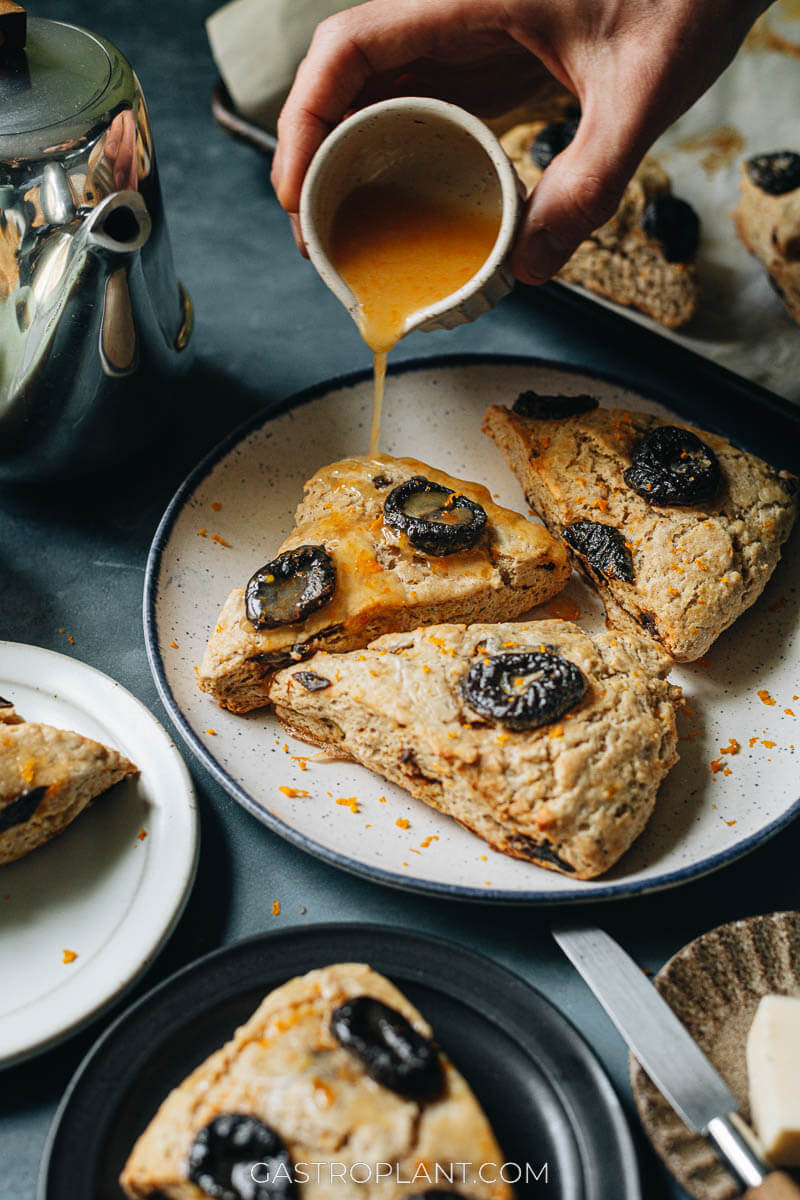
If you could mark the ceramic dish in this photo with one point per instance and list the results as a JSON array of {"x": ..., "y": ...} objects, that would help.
[
  {"x": 714, "y": 985},
  {"x": 542, "y": 1088},
  {"x": 100, "y": 889},
  {"x": 245, "y": 493}
]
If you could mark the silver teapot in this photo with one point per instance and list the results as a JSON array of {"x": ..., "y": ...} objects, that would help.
[{"x": 93, "y": 321}]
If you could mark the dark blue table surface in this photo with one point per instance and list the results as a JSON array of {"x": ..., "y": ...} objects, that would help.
[{"x": 73, "y": 557}]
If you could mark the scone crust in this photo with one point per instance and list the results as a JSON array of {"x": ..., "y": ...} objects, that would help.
[
  {"x": 383, "y": 583},
  {"x": 571, "y": 795},
  {"x": 769, "y": 226},
  {"x": 619, "y": 261},
  {"x": 65, "y": 769},
  {"x": 695, "y": 569},
  {"x": 285, "y": 1067}
]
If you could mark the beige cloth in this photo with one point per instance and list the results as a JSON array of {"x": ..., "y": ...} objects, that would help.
[{"x": 257, "y": 46}]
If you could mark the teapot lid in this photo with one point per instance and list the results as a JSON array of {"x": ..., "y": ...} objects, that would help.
[{"x": 65, "y": 83}]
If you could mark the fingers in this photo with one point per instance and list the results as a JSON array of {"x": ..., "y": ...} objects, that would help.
[
  {"x": 346, "y": 52},
  {"x": 582, "y": 187}
]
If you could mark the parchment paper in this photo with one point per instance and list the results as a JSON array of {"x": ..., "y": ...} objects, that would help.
[{"x": 753, "y": 108}]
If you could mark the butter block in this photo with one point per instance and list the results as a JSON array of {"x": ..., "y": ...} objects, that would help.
[{"x": 773, "y": 1067}]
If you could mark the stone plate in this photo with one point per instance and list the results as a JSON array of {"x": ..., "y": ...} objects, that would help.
[
  {"x": 236, "y": 507},
  {"x": 714, "y": 985},
  {"x": 555, "y": 1114}
]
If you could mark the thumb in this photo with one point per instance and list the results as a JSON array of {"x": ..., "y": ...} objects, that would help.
[{"x": 580, "y": 190}]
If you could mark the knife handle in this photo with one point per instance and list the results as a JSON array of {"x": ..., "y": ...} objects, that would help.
[{"x": 776, "y": 1186}]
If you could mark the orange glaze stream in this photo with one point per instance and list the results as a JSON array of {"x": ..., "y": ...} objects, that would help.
[{"x": 401, "y": 252}]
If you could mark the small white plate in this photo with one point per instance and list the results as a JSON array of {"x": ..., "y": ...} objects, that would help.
[
  {"x": 245, "y": 494},
  {"x": 99, "y": 890}
]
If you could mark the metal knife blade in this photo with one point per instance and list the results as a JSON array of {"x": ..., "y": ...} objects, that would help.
[
  {"x": 663, "y": 1046},
  {"x": 668, "y": 1053}
]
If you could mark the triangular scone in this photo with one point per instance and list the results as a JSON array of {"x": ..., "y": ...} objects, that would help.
[
  {"x": 47, "y": 778},
  {"x": 346, "y": 1136},
  {"x": 768, "y": 221},
  {"x": 644, "y": 257},
  {"x": 680, "y": 573},
  {"x": 571, "y": 794},
  {"x": 383, "y": 583}
]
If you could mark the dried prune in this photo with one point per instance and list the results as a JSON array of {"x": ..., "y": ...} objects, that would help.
[
  {"x": 434, "y": 518},
  {"x": 602, "y": 547},
  {"x": 21, "y": 808},
  {"x": 551, "y": 140},
  {"x": 530, "y": 848},
  {"x": 290, "y": 587},
  {"x": 523, "y": 689},
  {"x": 311, "y": 681},
  {"x": 675, "y": 225},
  {"x": 552, "y": 408},
  {"x": 392, "y": 1051},
  {"x": 775, "y": 173},
  {"x": 671, "y": 466},
  {"x": 237, "y": 1157},
  {"x": 380, "y": 482}
]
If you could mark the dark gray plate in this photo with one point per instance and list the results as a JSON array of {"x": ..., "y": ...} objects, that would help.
[{"x": 544, "y": 1091}]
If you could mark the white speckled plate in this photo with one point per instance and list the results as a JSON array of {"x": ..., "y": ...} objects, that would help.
[
  {"x": 715, "y": 984},
  {"x": 245, "y": 493},
  {"x": 99, "y": 890}
]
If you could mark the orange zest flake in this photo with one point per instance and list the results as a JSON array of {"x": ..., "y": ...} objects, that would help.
[
  {"x": 292, "y": 792},
  {"x": 768, "y": 744},
  {"x": 698, "y": 562},
  {"x": 789, "y": 712},
  {"x": 174, "y": 644},
  {"x": 502, "y": 738},
  {"x": 716, "y": 765},
  {"x": 442, "y": 645},
  {"x": 432, "y": 837},
  {"x": 453, "y": 733},
  {"x": 752, "y": 741},
  {"x": 733, "y": 822},
  {"x": 558, "y": 732},
  {"x": 673, "y": 591},
  {"x": 301, "y": 762},
  {"x": 202, "y": 533},
  {"x": 68, "y": 956},
  {"x": 402, "y": 822},
  {"x": 765, "y": 698},
  {"x": 600, "y": 503},
  {"x": 142, "y": 834},
  {"x": 28, "y": 770},
  {"x": 216, "y": 506},
  {"x": 426, "y": 669},
  {"x": 213, "y": 732},
  {"x": 215, "y": 537},
  {"x": 732, "y": 747},
  {"x": 276, "y": 908},
  {"x": 381, "y": 799},
  {"x": 70, "y": 639},
  {"x": 350, "y": 802}
]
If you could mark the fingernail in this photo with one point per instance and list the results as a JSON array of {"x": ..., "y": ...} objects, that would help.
[
  {"x": 543, "y": 255},
  {"x": 298, "y": 236}
]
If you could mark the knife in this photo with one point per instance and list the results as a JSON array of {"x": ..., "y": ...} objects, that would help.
[{"x": 671, "y": 1057}]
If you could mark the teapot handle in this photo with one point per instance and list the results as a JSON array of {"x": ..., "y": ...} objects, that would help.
[{"x": 13, "y": 27}]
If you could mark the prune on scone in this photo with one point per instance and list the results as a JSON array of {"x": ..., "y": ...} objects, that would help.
[
  {"x": 434, "y": 518},
  {"x": 551, "y": 140},
  {"x": 523, "y": 689},
  {"x": 393, "y": 1053},
  {"x": 552, "y": 408},
  {"x": 237, "y": 1157},
  {"x": 290, "y": 587},
  {"x": 21, "y": 808},
  {"x": 675, "y": 226},
  {"x": 380, "y": 482},
  {"x": 311, "y": 681},
  {"x": 603, "y": 547},
  {"x": 672, "y": 466},
  {"x": 776, "y": 173}
]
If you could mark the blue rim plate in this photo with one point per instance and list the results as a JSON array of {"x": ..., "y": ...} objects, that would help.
[
  {"x": 544, "y": 1091},
  {"x": 703, "y": 820}
]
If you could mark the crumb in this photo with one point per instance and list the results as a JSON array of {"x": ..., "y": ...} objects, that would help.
[
  {"x": 213, "y": 732},
  {"x": 292, "y": 792},
  {"x": 215, "y": 537},
  {"x": 381, "y": 799},
  {"x": 765, "y": 698},
  {"x": 276, "y": 908},
  {"x": 69, "y": 956},
  {"x": 768, "y": 744},
  {"x": 732, "y": 747},
  {"x": 402, "y": 822},
  {"x": 174, "y": 645},
  {"x": 142, "y": 834},
  {"x": 733, "y": 822}
]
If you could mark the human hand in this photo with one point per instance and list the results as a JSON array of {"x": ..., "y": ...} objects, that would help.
[{"x": 634, "y": 65}]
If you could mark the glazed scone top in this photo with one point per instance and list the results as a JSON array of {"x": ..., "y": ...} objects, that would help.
[
  {"x": 696, "y": 568},
  {"x": 285, "y": 1067},
  {"x": 376, "y": 566}
]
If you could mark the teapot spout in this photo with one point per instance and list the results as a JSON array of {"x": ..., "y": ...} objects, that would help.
[{"x": 119, "y": 224}]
